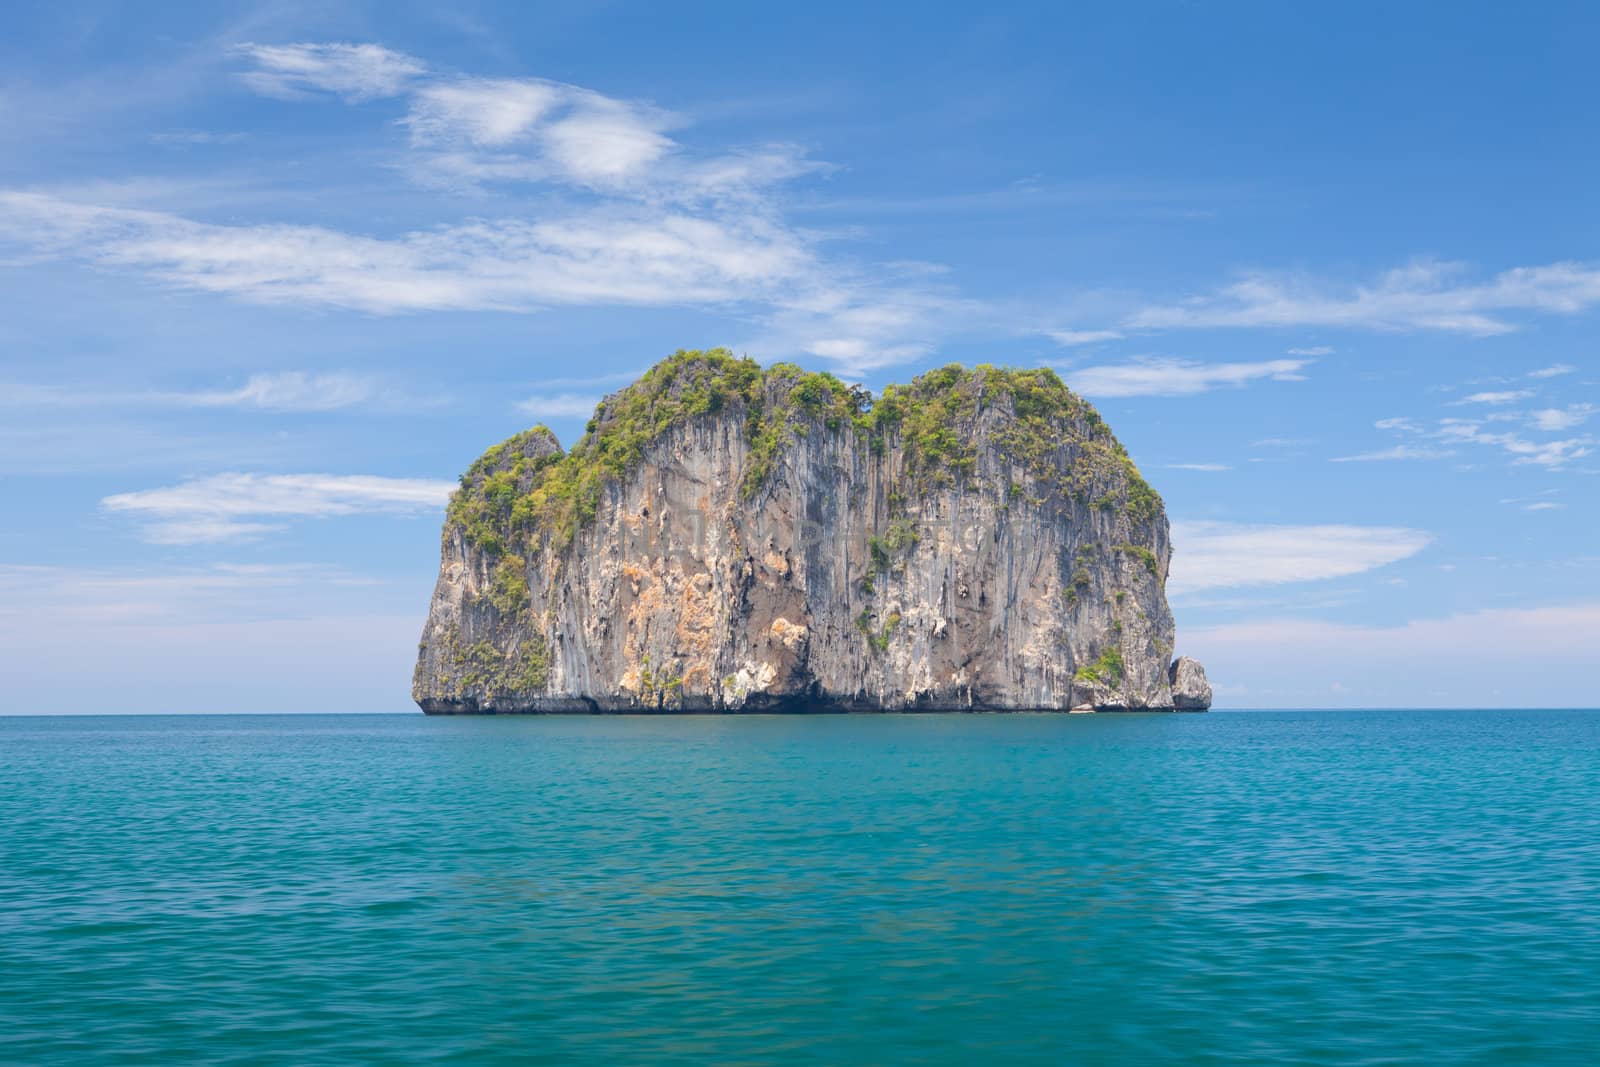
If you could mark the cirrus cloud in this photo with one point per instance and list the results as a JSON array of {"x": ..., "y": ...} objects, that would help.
[
  {"x": 353, "y": 71},
  {"x": 1425, "y": 295},
  {"x": 643, "y": 220},
  {"x": 1226, "y": 555},
  {"x": 230, "y": 507},
  {"x": 559, "y": 406},
  {"x": 1178, "y": 377}
]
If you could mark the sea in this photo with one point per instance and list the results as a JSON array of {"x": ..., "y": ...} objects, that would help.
[{"x": 1361, "y": 887}]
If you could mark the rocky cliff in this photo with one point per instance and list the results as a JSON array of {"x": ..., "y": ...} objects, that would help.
[{"x": 731, "y": 538}]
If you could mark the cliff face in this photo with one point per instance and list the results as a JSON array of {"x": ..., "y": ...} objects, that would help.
[{"x": 725, "y": 538}]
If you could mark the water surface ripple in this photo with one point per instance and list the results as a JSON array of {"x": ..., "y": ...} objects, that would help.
[{"x": 1283, "y": 888}]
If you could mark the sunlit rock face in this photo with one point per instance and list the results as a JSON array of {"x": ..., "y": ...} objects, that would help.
[
  {"x": 727, "y": 538},
  {"x": 1190, "y": 690}
]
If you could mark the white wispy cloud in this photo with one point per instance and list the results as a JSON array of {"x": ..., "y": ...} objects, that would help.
[
  {"x": 1553, "y": 371},
  {"x": 1523, "y": 451},
  {"x": 1178, "y": 377},
  {"x": 624, "y": 213},
  {"x": 1554, "y": 420},
  {"x": 1543, "y": 494},
  {"x": 480, "y": 111},
  {"x": 507, "y": 265},
  {"x": 1504, "y": 396},
  {"x": 559, "y": 406},
  {"x": 1071, "y": 338},
  {"x": 226, "y": 507},
  {"x": 657, "y": 225},
  {"x": 1444, "y": 437},
  {"x": 1224, "y": 555},
  {"x": 1540, "y": 453},
  {"x": 1315, "y": 350},
  {"x": 353, "y": 71},
  {"x": 1426, "y": 295},
  {"x": 630, "y": 212},
  {"x": 528, "y": 129},
  {"x": 861, "y": 325},
  {"x": 290, "y": 391},
  {"x": 1198, "y": 467},
  {"x": 1398, "y": 452},
  {"x": 604, "y": 140},
  {"x": 469, "y": 131},
  {"x": 197, "y": 137}
]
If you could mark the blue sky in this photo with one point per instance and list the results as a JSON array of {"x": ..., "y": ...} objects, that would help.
[{"x": 271, "y": 276}]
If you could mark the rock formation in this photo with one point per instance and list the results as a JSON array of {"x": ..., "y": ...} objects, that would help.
[
  {"x": 1190, "y": 690},
  {"x": 728, "y": 538}
]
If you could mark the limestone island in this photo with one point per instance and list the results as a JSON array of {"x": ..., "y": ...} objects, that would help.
[{"x": 731, "y": 538}]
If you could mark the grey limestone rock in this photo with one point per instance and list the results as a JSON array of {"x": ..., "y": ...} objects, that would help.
[
  {"x": 1190, "y": 690},
  {"x": 731, "y": 538}
]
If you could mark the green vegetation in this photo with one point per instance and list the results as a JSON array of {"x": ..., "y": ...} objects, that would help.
[
  {"x": 493, "y": 488},
  {"x": 663, "y": 687},
  {"x": 524, "y": 495},
  {"x": 879, "y": 642},
  {"x": 1145, "y": 556},
  {"x": 529, "y": 669},
  {"x": 902, "y": 535},
  {"x": 935, "y": 419},
  {"x": 899, "y": 537},
  {"x": 880, "y": 554},
  {"x": 482, "y": 667},
  {"x": 509, "y": 591},
  {"x": 1107, "y": 670},
  {"x": 507, "y": 495}
]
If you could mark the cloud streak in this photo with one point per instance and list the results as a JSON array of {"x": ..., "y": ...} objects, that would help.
[
  {"x": 1397, "y": 453},
  {"x": 285, "y": 392},
  {"x": 505, "y": 265},
  {"x": 1446, "y": 436},
  {"x": 1427, "y": 295},
  {"x": 1224, "y": 555},
  {"x": 231, "y": 507},
  {"x": 1177, "y": 377},
  {"x": 1499, "y": 398},
  {"x": 559, "y": 406},
  {"x": 641, "y": 220},
  {"x": 612, "y": 205},
  {"x": 1072, "y": 338},
  {"x": 1554, "y": 420},
  {"x": 355, "y": 72}
]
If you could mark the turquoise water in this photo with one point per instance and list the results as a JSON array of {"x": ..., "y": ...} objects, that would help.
[{"x": 1324, "y": 888}]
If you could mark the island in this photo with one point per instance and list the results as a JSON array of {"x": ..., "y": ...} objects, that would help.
[{"x": 727, "y": 537}]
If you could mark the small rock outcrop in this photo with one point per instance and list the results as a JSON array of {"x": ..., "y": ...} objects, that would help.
[
  {"x": 731, "y": 538},
  {"x": 1190, "y": 690}
]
